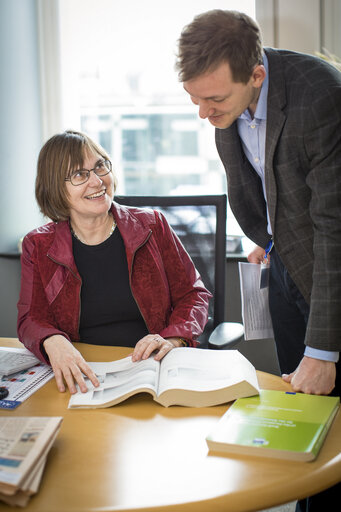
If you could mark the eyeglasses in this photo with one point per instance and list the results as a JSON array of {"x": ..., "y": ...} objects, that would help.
[{"x": 102, "y": 168}]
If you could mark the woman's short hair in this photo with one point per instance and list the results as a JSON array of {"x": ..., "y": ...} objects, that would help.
[
  {"x": 219, "y": 36},
  {"x": 61, "y": 154}
]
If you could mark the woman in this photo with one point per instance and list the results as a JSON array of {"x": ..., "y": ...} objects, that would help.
[{"x": 101, "y": 273}]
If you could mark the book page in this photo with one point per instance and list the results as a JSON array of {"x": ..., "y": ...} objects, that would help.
[
  {"x": 255, "y": 303},
  {"x": 199, "y": 369},
  {"x": 118, "y": 380}
]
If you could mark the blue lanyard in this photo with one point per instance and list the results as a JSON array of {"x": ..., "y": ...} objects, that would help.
[{"x": 268, "y": 248}]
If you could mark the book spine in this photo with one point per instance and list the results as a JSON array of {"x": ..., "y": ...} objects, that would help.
[{"x": 323, "y": 433}]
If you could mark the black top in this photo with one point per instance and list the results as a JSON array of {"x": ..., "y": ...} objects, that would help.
[{"x": 109, "y": 314}]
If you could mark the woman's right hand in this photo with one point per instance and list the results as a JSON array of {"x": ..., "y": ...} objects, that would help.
[{"x": 68, "y": 364}]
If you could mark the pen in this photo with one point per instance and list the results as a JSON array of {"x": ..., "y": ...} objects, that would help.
[{"x": 268, "y": 249}]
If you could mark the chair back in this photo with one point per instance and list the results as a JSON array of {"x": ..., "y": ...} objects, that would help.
[{"x": 200, "y": 223}]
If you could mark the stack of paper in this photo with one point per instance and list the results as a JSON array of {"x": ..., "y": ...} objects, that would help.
[{"x": 24, "y": 446}]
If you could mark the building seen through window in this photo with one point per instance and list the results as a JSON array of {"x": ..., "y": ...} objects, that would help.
[
  {"x": 120, "y": 87},
  {"x": 159, "y": 152}
]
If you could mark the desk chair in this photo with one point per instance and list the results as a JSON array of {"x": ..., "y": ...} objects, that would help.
[{"x": 200, "y": 223}]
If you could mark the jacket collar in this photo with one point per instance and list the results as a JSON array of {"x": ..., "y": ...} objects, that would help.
[
  {"x": 276, "y": 92},
  {"x": 276, "y": 118},
  {"x": 60, "y": 250},
  {"x": 133, "y": 226}
]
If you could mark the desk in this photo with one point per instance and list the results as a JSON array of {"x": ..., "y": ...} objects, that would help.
[{"x": 140, "y": 456}]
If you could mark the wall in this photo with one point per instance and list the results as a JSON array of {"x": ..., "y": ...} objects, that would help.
[
  {"x": 302, "y": 25},
  {"x": 20, "y": 136},
  {"x": 9, "y": 293}
]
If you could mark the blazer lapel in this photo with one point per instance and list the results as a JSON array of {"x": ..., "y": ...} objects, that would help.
[{"x": 274, "y": 125}]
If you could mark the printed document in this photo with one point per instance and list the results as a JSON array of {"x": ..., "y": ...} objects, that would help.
[{"x": 255, "y": 303}]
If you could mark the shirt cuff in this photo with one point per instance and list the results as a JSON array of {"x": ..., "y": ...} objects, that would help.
[{"x": 324, "y": 355}]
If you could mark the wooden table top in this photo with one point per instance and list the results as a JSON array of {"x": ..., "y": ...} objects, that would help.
[{"x": 140, "y": 456}]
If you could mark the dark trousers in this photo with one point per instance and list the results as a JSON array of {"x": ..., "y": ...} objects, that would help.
[{"x": 289, "y": 313}]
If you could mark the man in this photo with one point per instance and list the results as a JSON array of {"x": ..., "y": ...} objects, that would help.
[{"x": 278, "y": 133}]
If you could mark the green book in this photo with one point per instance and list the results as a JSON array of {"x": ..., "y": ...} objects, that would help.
[{"x": 275, "y": 424}]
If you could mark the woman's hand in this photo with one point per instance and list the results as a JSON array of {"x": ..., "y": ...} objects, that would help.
[
  {"x": 154, "y": 343},
  {"x": 68, "y": 364}
]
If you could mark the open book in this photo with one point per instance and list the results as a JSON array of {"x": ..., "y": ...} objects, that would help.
[
  {"x": 24, "y": 446},
  {"x": 191, "y": 377}
]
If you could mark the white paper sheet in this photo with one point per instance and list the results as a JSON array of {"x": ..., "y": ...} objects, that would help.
[{"x": 255, "y": 303}]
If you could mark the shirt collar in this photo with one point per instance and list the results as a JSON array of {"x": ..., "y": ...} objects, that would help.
[{"x": 261, "y": 109}]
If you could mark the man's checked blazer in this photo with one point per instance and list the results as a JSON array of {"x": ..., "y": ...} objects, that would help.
[{"x": 303, "y": 184}]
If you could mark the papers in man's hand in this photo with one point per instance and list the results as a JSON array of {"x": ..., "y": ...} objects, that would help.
[
  {"x": 255, "y": 303},
  {"x": 24, "y": 446}
]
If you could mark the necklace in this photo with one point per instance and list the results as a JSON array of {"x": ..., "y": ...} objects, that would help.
[{"x": 112, "y": 229}]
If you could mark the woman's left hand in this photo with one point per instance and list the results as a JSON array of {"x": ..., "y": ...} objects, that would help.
[{"x": 154, "y": 343}]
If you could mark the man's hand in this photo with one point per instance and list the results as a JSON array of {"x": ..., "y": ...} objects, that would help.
[
  {"x": 313, "y": 376},
  {"x": 257, "y": 255}
]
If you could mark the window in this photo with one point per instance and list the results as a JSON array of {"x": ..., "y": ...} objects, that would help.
[{"x": 119, "y": 85}]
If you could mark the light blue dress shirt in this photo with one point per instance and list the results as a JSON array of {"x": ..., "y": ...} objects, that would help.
[{"x": 252, "y": 131}]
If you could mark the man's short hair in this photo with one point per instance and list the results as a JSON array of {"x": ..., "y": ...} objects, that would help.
[{"x": 219, "y": 36}]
